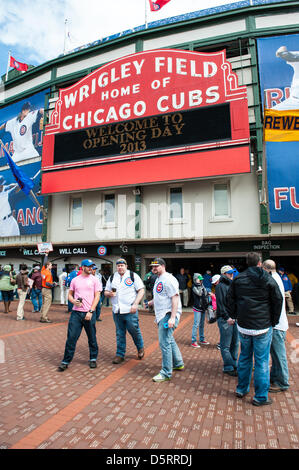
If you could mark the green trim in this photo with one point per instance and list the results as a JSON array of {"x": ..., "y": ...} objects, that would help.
[
  {"x": 45, "y": 221},
  {"x": 138, "y": 213},
  {"x": 139, "y": 45},
  {"x": 264, "y": 226}
]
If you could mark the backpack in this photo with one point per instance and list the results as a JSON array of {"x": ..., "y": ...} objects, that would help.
[{"x": 131, "y": 276}]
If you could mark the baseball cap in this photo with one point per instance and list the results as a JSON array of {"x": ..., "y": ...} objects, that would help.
[
  {"x": 121, "y": 261},
  {"x": 215, "y": 278},
  {"x": 281, "y": 269},
  {"x": 7, "y": 267},
  {"x": 226, "y": 270},
  {"x": 158, "y": 262},
  {"x": 87, "y": 262}
]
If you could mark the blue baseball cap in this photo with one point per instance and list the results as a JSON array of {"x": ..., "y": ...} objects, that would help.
[{"x": 87, "y": 262}]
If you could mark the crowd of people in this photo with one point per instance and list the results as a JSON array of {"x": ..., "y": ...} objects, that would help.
[{"x": 249, "y": 307}]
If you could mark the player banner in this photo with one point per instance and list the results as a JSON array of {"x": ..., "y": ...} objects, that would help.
[
  {"x": 19, "y": 214},
  {"x": 21, "y": 132},
  {"x": 279, "y": 79},
  {"x": 21, "y": 129}
]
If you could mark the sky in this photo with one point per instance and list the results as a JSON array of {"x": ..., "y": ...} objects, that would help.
[{"x": 34, "y": 30}]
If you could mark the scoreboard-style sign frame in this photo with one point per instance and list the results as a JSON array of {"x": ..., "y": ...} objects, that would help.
[{"x": 149, "y": 117}]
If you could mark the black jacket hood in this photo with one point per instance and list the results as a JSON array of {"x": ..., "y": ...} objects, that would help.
[{"x": 258, "y": 276}]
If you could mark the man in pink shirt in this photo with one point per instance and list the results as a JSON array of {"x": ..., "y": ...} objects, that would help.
[{"x": 84, "y": 294}]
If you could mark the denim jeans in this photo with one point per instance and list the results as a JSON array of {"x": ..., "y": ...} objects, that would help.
[
  {"x": 124, "y": 322},
  {"x": 229, "y": 344},
  {"x": 171, "y": 355},
  {"x": 279, "y": 373},
  {"x": 36, "y": 299},
  {"x": 99, "y": 307},
  {"x": 199, "y": 324},
  {"x": 257, "y": 347},
  {"x": 76, "y": 323}
]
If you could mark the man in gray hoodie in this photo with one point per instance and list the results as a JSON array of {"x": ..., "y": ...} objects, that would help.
[{"x": 200, "y": 304}]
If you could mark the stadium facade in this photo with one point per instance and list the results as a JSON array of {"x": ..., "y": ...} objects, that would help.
[{"x": 151, "y": 142}]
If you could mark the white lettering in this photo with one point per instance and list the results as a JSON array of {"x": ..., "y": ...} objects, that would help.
[
  {"x": 64, "y": 123},
  {"x": 70, "y": 99},
  {"x": 209, "y": 69},
  {"x": 83, "y": 92},
  {"x": 212, "y": 91}
]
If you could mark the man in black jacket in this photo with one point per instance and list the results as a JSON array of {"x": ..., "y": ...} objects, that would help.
[
  {"x": 255, "y": 301},
  {"x": 229, "y": 340}
]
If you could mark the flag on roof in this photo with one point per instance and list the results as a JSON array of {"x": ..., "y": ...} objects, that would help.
[
  {"x": 18, "y": 65},
  {"x": 157, "y": 4}
]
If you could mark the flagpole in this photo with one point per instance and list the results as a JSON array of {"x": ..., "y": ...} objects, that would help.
[
  {"x": 38, "y": 204},
  {"x": 65, "y": 28},
  {"x": 145, "y": 13},
  {"x": 8, "y": 62}
]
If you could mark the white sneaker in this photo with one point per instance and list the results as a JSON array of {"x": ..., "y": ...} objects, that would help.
[
  {"x": 160, "y": 378},
  {"x": 195, "y": 345}
]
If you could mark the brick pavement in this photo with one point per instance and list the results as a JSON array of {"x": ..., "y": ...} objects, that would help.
[{"x": 118, "y": 406}]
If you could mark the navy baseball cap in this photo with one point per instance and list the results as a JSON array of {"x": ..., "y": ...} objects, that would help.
[
  {"x": 158, "y": 262},
  {"x": 87, "y": 262}
]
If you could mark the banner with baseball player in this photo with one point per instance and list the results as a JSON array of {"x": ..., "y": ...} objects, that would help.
[
  {"x": 279, "y": 80},
  {"x": 19, "y": 212},
  {"x": 21, "y": 129}
]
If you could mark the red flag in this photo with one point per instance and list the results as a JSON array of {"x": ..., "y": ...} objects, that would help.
[
  {"x": 18, "y": 65},
  {"x": 157, "y": 4}
]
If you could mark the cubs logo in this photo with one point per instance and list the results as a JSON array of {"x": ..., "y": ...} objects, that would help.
[
  {"x": 159, "y": 287},
  {"x": 102, "y": 250},
  {"x": 129, "y": 282},
  {"x": 23, "y": 129}
]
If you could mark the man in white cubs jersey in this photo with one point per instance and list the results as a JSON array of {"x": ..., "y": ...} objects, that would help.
[
  {"x": 168, "y": 308},
  {"x": 8, "y": 224},
  {"x": 20, "y": 129},
  {"x": 126, "y": 290}
]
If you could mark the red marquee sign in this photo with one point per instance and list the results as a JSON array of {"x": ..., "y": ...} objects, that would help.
[{"x": 140, "y": 109}]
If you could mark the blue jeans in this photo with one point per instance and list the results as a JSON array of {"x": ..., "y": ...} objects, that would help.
[
  {"x": 124, "y": 322},
  {"x": 36, "y": 299},
  {"x": 257, "y": 347},
  {"x": 99, "y": 305},
  {"x": 76, "y": 323},
  {"x": 199, "y": 323},
  {"x": 229, "y": 344},
  {"x": 171, "y": 355},
  {"x": 279, "y": 373}
]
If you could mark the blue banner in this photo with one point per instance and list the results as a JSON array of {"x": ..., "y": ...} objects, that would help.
[
  {"x": 19, "y": 214},
  {"x": 279, "y": 80},
  {"x": 21, "y": 129}
]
